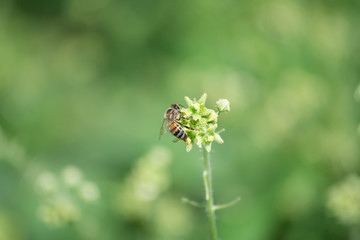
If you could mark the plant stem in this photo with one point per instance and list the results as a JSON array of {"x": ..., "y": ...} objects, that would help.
[{"x": 209, "y": 195}]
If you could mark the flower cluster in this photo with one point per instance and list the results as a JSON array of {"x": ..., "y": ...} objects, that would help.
[{"x": 204, "y": 122}]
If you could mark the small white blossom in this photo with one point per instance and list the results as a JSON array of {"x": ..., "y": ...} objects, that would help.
[
  {"x": 89, "y": 191},
  {"x": 223, "y": 105},
  {"x": 46, "y": 182},
  {"x": 72, "y": 175},
  {"x": 218, "y": 139}
]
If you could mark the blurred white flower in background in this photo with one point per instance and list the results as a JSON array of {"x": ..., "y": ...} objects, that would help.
[
  {"x": 89, "y": 192},
  {"x": 46, "y": 182},
  {"x": 344, "y": 200},
  {"x": 72, "y": 175},
  {"x": 58, "y": 211},
  {"x": 146, "y": 182},
  {"x": 142, "y": 196},
  {"x": 62, "y": 196}
]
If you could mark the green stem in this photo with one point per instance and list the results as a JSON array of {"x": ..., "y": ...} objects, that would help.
[
  {"x": 226, "y": 205},
  {"x": 192, "y": 203},
  {"x": 209, "y": 195}
]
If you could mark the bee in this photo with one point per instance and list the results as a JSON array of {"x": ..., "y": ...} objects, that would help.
[{"x": 173, "y": 115}]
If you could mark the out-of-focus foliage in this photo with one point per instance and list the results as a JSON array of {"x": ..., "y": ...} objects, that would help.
[{"x": 83, "y": 89}]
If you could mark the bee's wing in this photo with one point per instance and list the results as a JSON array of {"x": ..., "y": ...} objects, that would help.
[{"x": 162, "y": 129}]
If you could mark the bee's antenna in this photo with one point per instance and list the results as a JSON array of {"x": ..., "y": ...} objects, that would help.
[{"x": 181, "y": 105}]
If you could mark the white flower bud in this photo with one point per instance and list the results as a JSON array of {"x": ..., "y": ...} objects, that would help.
[
  {"x": 209, "y": 138},
  {"x": 189, "y": 147},
  {"x": 218, "y": 139},
  {"x": 212, "y": 116},
  {"x": 223, "y": 105},
  {"x": 198, "y": 141}
]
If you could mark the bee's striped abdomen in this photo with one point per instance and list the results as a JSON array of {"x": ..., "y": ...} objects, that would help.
[{"x": 177, "y": 131}]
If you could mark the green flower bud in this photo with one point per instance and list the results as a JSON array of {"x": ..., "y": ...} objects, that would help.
[
  {"x": 213, "y": 116},
  {"x": 203, "y": 122},
  {"x": 196, "y": 117},
  {"x": 202, "y": 99},
  {"x": 186, "y": 112},
  {"x": 188, "y": 101},
  {"x": 212, "y": 127},
  {"x": 197, "y": 107},
  {"x": 208, "y": 146}
]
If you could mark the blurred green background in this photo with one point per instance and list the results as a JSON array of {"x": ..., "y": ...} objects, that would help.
[{"x": 84, "y": 85}]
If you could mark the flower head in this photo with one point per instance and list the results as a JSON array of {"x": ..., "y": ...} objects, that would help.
[{"x": 204, "y": 122}]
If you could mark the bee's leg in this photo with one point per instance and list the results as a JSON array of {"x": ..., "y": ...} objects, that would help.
[
  {"x": 185, "y": 118},
  {"x": 185, "y": 126},
  {"x": 181, "y": 116},
  {"x": 188, "y": 127}
]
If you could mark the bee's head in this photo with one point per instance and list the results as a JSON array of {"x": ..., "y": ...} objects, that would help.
[{"x": 175, "y": 106}]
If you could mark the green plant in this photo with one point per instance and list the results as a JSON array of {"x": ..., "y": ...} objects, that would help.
[{"x": 204, "y": 123}]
